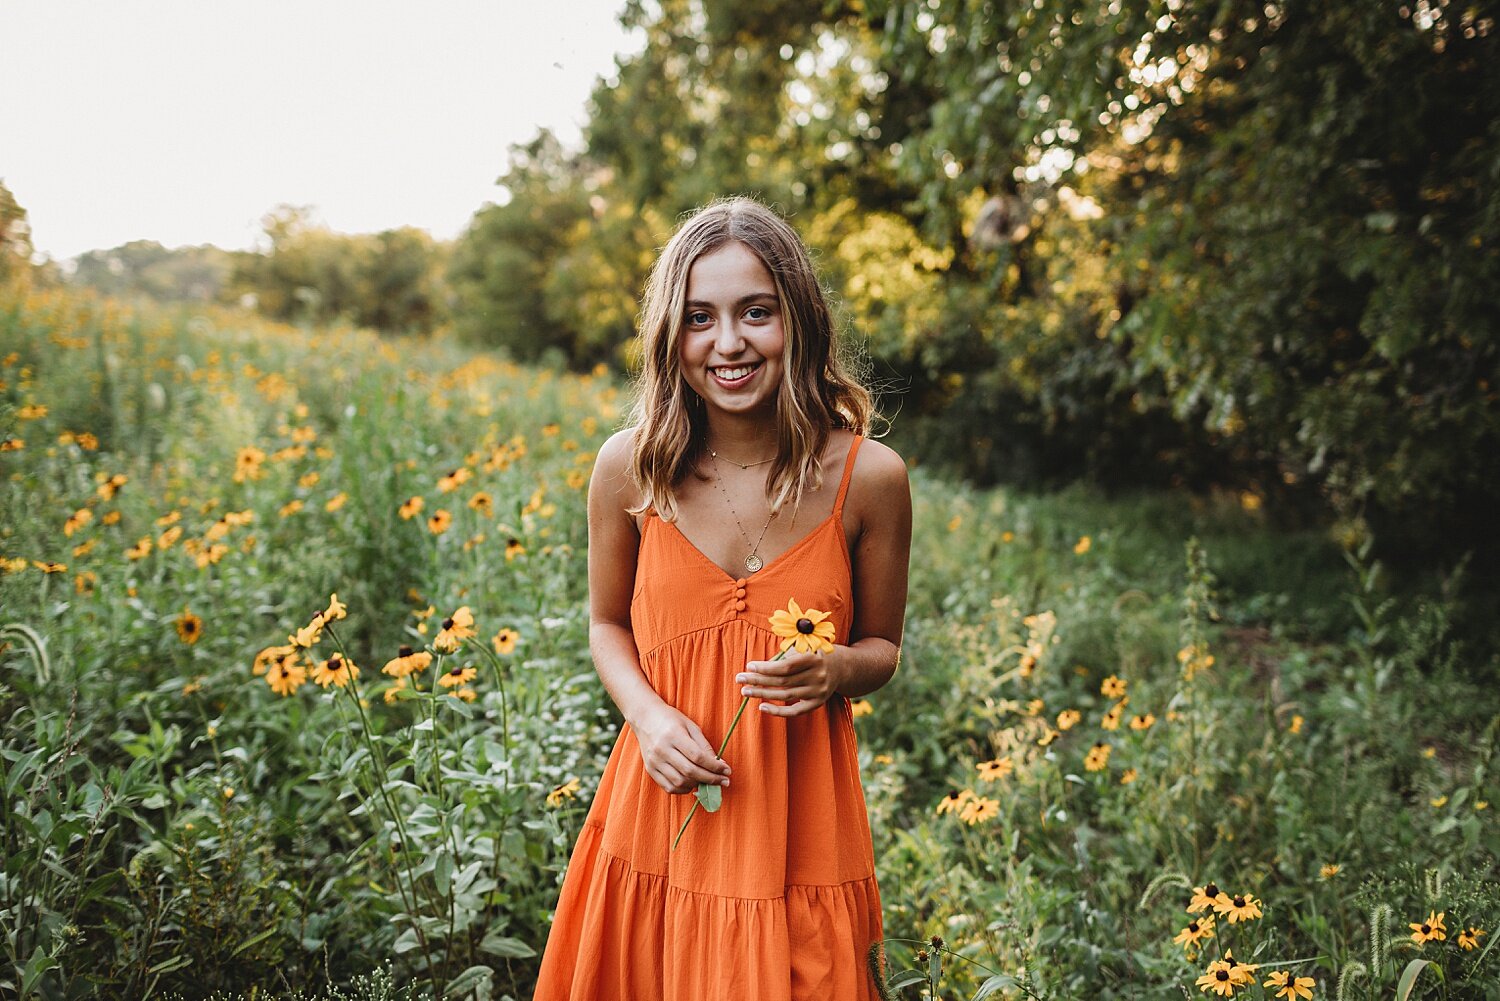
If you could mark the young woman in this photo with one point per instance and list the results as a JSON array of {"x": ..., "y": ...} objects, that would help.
[{"x": 744, "y": 483}]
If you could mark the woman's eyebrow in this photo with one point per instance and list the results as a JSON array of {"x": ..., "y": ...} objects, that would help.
[{"x": 740, "y": 303}]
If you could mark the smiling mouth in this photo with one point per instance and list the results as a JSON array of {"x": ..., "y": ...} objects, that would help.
[{"x": 734, "y": 373}]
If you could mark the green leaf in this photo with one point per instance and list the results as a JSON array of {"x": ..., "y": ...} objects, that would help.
[
  {"x": 254, "y": 940},
  {"x": 1409, "y": 977},
  {"x": 506, "y": 947},
  {"x": 468, "y": 980},
  {"x": 998, "y": 982},
  {"x": 906, "y": 978},
  {"x": 710, "y": 797}
]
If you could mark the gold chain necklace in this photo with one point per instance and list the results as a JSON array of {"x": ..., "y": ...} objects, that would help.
[
  {"x": 753, "y": 562},
  {"x": 742, "y": 465}
]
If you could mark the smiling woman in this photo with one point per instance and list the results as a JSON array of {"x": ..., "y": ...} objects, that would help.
[{"x": 771, "y": 894}]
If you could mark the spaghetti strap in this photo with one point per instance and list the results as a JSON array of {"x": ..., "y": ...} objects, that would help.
[{"x": 838, "y": 501}]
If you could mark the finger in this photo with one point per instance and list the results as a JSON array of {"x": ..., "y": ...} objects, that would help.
[
  {"x": 703, "y": 753},
  {"x": 799, "y": 708},
  {"x": 697, "y": 774}
]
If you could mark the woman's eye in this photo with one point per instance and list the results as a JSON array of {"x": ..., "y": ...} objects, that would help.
[
  {"x": 697, "y": 318},
  {"x": 758, "y": 313}
]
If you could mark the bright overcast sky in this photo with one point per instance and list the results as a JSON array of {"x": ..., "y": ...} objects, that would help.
[{"x": 185, "y": 121}]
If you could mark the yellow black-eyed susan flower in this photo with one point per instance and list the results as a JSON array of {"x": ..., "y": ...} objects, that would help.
[
  {"x": 1243, "y": 974},
  {"x": 1468, "y": 939},
  {"x": 48, "y": 566},
  {"x": 1289, "y": 987},
  {"x": 290, "y": 508},
  {"x": 1196, "y": 931},
  {"x": 1098, "y": 758},
  {"x": 954, "y": 801},
  {"x": 83, "y": 548},
  {"x": 140, "y": 550},
  {"x": 1082, "y": 545},
  {"x": 85, "y": 582},
  {"x": 1113, "y": 687},
  {"x": 1237, "y": 908},
  {"x": 505, "y": 640},
  {"x": 514, "y": 548},
  {"x": 12, "y": 444},
  {"x": 1111, "y": 719},
  {"x": 1431, "y": 930},
  {"x": 411, "y": 508},
  {"x": 456, "y": 628},
  {"x": 336, "y": 609},
  {"x": 334, "y": 671},
  {"x": 1068, "y": 719},
  {"x": 1047, "y": 737},
  {"x": 168, "y": 538},
  {"x": 465, "y": 693},
  {"x": 860, "y": 707},
  {"x": 247, "y": 464},
  {"x": 804, "y": 631},
  {"x": 1204, "y": 897},
  {"x": 979, "y": 809},
  {"x": 189, "y": 627},
  {"x": 285, "y": 675},
  {"x": 483, "y": 503},
  {"x": 77, "y": 520},
  {"x": 439, "y": 522},
  {"x": 452, "y": 481},
  {"x": 1145, "y": 722},
  {"x": 108, "y": 488},
  {"x": 407, "y": 661},
  {"x": 309, "y": 479},
  {"x": 1218, "y": 980},
  {"x": 999, "y": 768},
  {"x": 1035, "y": 707},
  {"x": 565, "y": 791},
  {"x": 458, "y": 676},
  {"x": 269, "y": 656},
  {"x": 1329, "y": 871},
  {"x": 1128, "y": 776},
  {"x": 337, "y": 501}
]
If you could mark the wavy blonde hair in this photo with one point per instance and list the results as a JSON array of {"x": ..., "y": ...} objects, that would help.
[{"x": 817, "y": 393}]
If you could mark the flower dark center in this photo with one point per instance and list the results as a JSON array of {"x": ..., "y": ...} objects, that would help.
[
  {"x": 1239, "y": 901},
  {"x": 1193, "y": 927},
  {"x": 447, "y": 623},
  {"x": 334, "y": 662},
  {"x": 1222, "y": 975},
  {"x": 405, "y": 651},
  {"x": 805, "y": 626},
  {"x": 1426, "y": 930},
  {"x": 1211, "y": 890},
  {"x": 456, "y": 670}
]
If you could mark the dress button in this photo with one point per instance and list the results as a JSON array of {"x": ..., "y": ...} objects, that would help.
[
  {"x": 740, "y": 582},
  {"x": 739, "y": 606},
  {"x": 739, "y": 592}
]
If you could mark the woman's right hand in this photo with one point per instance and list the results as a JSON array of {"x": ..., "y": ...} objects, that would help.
[{"x": 676, "y": 754}]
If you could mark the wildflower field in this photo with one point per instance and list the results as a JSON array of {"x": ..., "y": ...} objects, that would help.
[{"x": 295, "y": 694}]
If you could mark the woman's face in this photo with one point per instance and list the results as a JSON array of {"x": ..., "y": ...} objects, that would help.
[{"x": 732, "y": 338}]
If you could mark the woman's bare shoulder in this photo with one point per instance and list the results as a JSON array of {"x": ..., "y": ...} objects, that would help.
[{"x": 877, "y": 469}]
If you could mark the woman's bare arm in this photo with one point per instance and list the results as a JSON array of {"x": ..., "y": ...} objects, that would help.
[{"x": 673, "y": 749}]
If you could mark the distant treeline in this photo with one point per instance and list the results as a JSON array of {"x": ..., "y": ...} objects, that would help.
[{"x": 1242, "y": 243}]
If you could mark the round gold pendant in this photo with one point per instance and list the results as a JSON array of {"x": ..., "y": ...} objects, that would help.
[{"x": 753, "y": 563}]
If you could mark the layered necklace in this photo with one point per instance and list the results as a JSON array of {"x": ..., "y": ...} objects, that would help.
[{"x": 753, "y": 562}]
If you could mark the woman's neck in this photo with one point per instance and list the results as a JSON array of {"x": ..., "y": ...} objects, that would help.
[{"x": 743, "y": 439}]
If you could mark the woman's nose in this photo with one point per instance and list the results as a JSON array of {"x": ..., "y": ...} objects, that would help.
[{"x": 729, "y": 340}]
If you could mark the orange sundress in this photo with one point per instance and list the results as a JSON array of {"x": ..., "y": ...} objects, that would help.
[{"x": 772, "y": 898}]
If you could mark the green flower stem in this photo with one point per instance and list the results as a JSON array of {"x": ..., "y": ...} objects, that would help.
[
  {"x": 379, "y": 762},
  {"x": 733, "y": 723}
]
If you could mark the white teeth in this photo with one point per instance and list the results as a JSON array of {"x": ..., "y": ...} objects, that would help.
[{"x": 731, "y": 374}]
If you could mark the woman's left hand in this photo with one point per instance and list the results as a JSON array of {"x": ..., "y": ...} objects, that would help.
[{"x": 803, "y": 680}]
